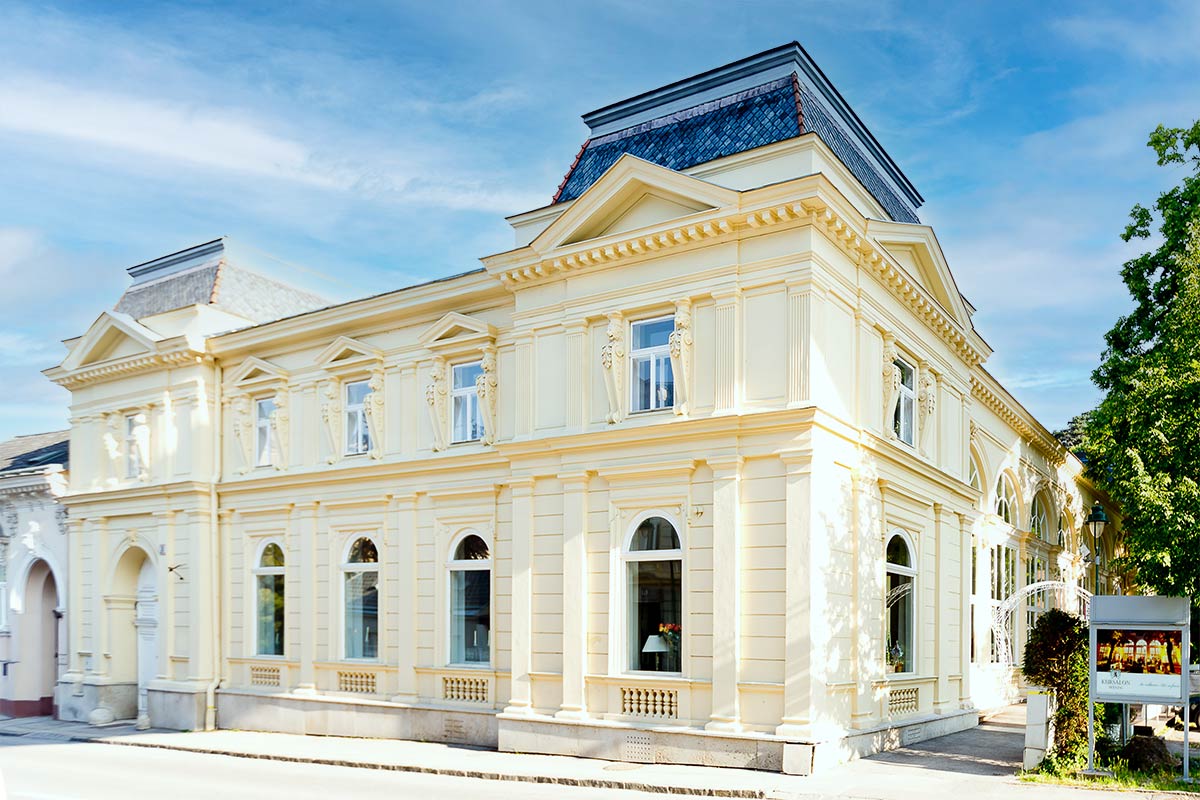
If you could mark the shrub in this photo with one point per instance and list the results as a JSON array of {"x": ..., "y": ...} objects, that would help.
[{"x": 1056, "y": 656}]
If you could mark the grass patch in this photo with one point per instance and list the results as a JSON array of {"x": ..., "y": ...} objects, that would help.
[{"x": 1122, "y": 777}]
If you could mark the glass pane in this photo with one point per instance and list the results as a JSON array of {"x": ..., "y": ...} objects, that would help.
[
  {"x": 664, "y": 389},
  {"x": 655, "y": 615},
  {"x": 906, "y": 373},
  {"x": 897, "y": 552},
  {"x": 363, "y": 552},
  {"x": 471, "y": 548},
  {"x": 262, "y": 445},
  {"x": 467, "y": 424},
  {"x": 900, "y": 623},
  {"x": 902, "y": 420},
  {"x": 655, "y": 533},
  {"x": 362, "y": 614},
  {"x": 272, "y": 556},
  {"x": 265, "y": 409},
  {"x": 270, "y": 614},
  {"x": 654, "y": 333},
  {"x": 641, "y": 384},
  {"x": 356, "y": 393},
  {"x": 354, "y": 430},
  {"x": 465, "y": 374},
  {"x": 470, "y": 615}
]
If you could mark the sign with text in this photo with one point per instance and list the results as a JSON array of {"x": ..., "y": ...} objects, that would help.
[{"x": 1139, "y": 648}]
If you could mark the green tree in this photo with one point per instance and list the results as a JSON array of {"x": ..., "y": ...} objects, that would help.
[
  {"x": 1142, "y": 442},
  {"x": 1056, "y": 656}
]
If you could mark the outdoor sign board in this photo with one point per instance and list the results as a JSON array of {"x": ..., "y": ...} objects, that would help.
[
  {"x": 1139, "y": 651},
  {"x": 1139, "y": 648}
]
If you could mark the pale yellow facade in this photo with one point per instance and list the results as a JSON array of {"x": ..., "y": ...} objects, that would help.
[{"x": 777, "y": 463}]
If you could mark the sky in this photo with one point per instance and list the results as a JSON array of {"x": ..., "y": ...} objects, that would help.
[{"x": 379, "y": 144}]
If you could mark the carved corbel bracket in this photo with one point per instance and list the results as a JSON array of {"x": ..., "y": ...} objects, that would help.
[
  {"x": 891, "y": 383},
  {"x": 280, "y": 419},
  {"x": 681, "y": 356},
  {"x": 485, "y": 390},
  {"x": 926, "y": 404},
  {"x": 112, "y": 447},
  {"x": 241, "y": 411},
  {"x": 612, "y": 359},
  {"x": 436, "y": 393},
  {"x": 141, "y": 441},
  {"x": 331, "y": 418},
  {"x": 373, "y": 410}
]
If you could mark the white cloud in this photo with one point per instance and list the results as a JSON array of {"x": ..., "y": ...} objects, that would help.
[
  {"x": 1170, "y": 37},
  {"x": 16, "y": 245}
]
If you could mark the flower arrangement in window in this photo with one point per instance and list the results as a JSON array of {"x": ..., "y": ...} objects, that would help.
[
  {"x": 670, "y": 631},
  {"x": 895, "y": 658}
]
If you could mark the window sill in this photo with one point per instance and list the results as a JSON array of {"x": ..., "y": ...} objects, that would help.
[
  {"x": 641, "y": 412},
  {"x": 473, "y": 666}
]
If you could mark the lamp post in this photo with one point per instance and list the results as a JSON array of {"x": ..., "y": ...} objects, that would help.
[{"x": 1096, "y": 521}]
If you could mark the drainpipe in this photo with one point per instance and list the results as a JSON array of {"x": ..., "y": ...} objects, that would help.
[{"x": 210, "y": 693}]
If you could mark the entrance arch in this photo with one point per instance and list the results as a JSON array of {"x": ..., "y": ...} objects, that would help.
[
  {"x": 1060, "y": 594},
  {"x": 39, "y": 641},
  {"x": 133, "y": 638}
]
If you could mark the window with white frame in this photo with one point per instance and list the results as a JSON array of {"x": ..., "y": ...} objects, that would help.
[
  {"x": 973, "y": 478},
  {"x": 133, "y": 453},
  {"x": 360, "y": 585},
  {"x": 1004, "y": 582},
  {"x": 358, "y": 437},
  {"x": 654, "y": 597},
  {"x": 903, "y": 415},
  {"x": 1006, "y": 500},
  {"x": 1039, "y": 525},
  {"x": 269, "y": 600},
  {"x": 468, "y": 422},
  {"x": 1037, "y": 569},
  {"x": 901, "y": 604},
  {"x": 653, "y": 383},
  {"x": 263, "y": 409},
  {"x": 470, "y": 569}
]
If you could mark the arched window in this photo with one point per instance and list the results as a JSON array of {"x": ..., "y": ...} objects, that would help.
[
  {"x": 1006, "y": 500},
  {"x": 470, "y": 568},
  {"x": 1039, "y": 526},
  {"x": 654, "y": 597},
  {"x": 360, "y": 582},
  {"x": 901, "y": 582},
  {"x": 973, "y": 474},
  {"x": 1063, "y": 525},
  {"x": 269, "y": 585}
]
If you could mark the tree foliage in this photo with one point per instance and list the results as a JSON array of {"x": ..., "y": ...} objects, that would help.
[{"x": 1142, "y": 442}]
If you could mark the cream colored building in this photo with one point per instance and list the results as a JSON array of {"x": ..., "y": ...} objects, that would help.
[{"x": 699, "y": 471}]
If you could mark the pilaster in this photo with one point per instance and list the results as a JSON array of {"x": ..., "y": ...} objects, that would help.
[
  {"x": 797, "y": 682},
  {"x": 944, "y": 529},
  {"x": 727, "y": 594},
  {"x": 966, "y": 550},
  {"x": 304, "y": 522},
  {"x": 577, "y": 374},
  {"x": 728, "y": 360},
  {"x": 575, "y": 596},
  {"x": 521, "y": 695},
  {"x": 404, "y": 515},
  {"x": 799, "y": 343},
  {"x": 524, "y": 385}
]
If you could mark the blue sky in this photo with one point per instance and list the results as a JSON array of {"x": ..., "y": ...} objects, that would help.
[{"x": 381, "y": 144}]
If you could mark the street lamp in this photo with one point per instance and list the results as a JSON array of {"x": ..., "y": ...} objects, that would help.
[{"x": 1096, "y": 521}]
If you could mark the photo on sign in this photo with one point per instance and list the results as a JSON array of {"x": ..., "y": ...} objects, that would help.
[
  {"x": 1139, "y": 652},
  {"x": 1138, "y": 665}
]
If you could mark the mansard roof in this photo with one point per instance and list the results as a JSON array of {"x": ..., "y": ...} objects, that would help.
[
  {"x": 767, "y": 98},
  {"x": 34, "y": 450},
  {"x": 211, "y": 274}
]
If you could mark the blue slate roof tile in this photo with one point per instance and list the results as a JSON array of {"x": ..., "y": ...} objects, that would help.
[{"x": 772, "y": 112}]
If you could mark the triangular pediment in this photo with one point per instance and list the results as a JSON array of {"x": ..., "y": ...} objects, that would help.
[
  {"x": 917, "y": 251},
  {"x": 633, "y": 195},
  {"x": 255, "y": 371},
  {"x": 345, "y": 352},
  {"x": 111, "y": 337},
  {"x": 455, "y": 328}
]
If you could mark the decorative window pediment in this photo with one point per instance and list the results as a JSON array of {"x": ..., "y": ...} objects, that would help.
[
  {"x": 259, "y": 403},
  {"x": 254, "y": 373},
  {"x": 346, "y": 355},
  {"x": 456, "y": 340}
]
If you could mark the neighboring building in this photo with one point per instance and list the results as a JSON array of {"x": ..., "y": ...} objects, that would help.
[
  {"x": 699, "y": 472},
  {"x": 33, "y": 576}
]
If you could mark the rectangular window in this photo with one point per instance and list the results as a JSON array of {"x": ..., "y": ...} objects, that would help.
[
  {"x": 468, "y": 424},
  {"x": 133, "y": 457},
  {"x": 655, "y": 615},
  {"x": 362, "y": 614},
  {"x": 653, "y": 384},
  {"x": 902, "y": 417},
  {"x": 270, "y": 615},
  {"x": 262, "y": 431},
  {"x": 470, "y": 616},
  {"x": 358, "y": 439}
]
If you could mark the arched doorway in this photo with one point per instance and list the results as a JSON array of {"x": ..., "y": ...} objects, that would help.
[
  {"x": 36, "y": 671},
  {"x": 133, "y": 639}
]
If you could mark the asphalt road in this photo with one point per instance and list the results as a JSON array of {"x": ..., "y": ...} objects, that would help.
[{"x": 41, "y": 769}]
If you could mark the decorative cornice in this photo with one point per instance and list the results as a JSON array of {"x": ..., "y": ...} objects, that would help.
[
  {"x": 1049, "y": 447},
  {"x": 129, "y": 366}
]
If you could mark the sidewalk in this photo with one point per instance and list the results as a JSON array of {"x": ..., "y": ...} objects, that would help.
[{"x": 980, "y": 763}]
